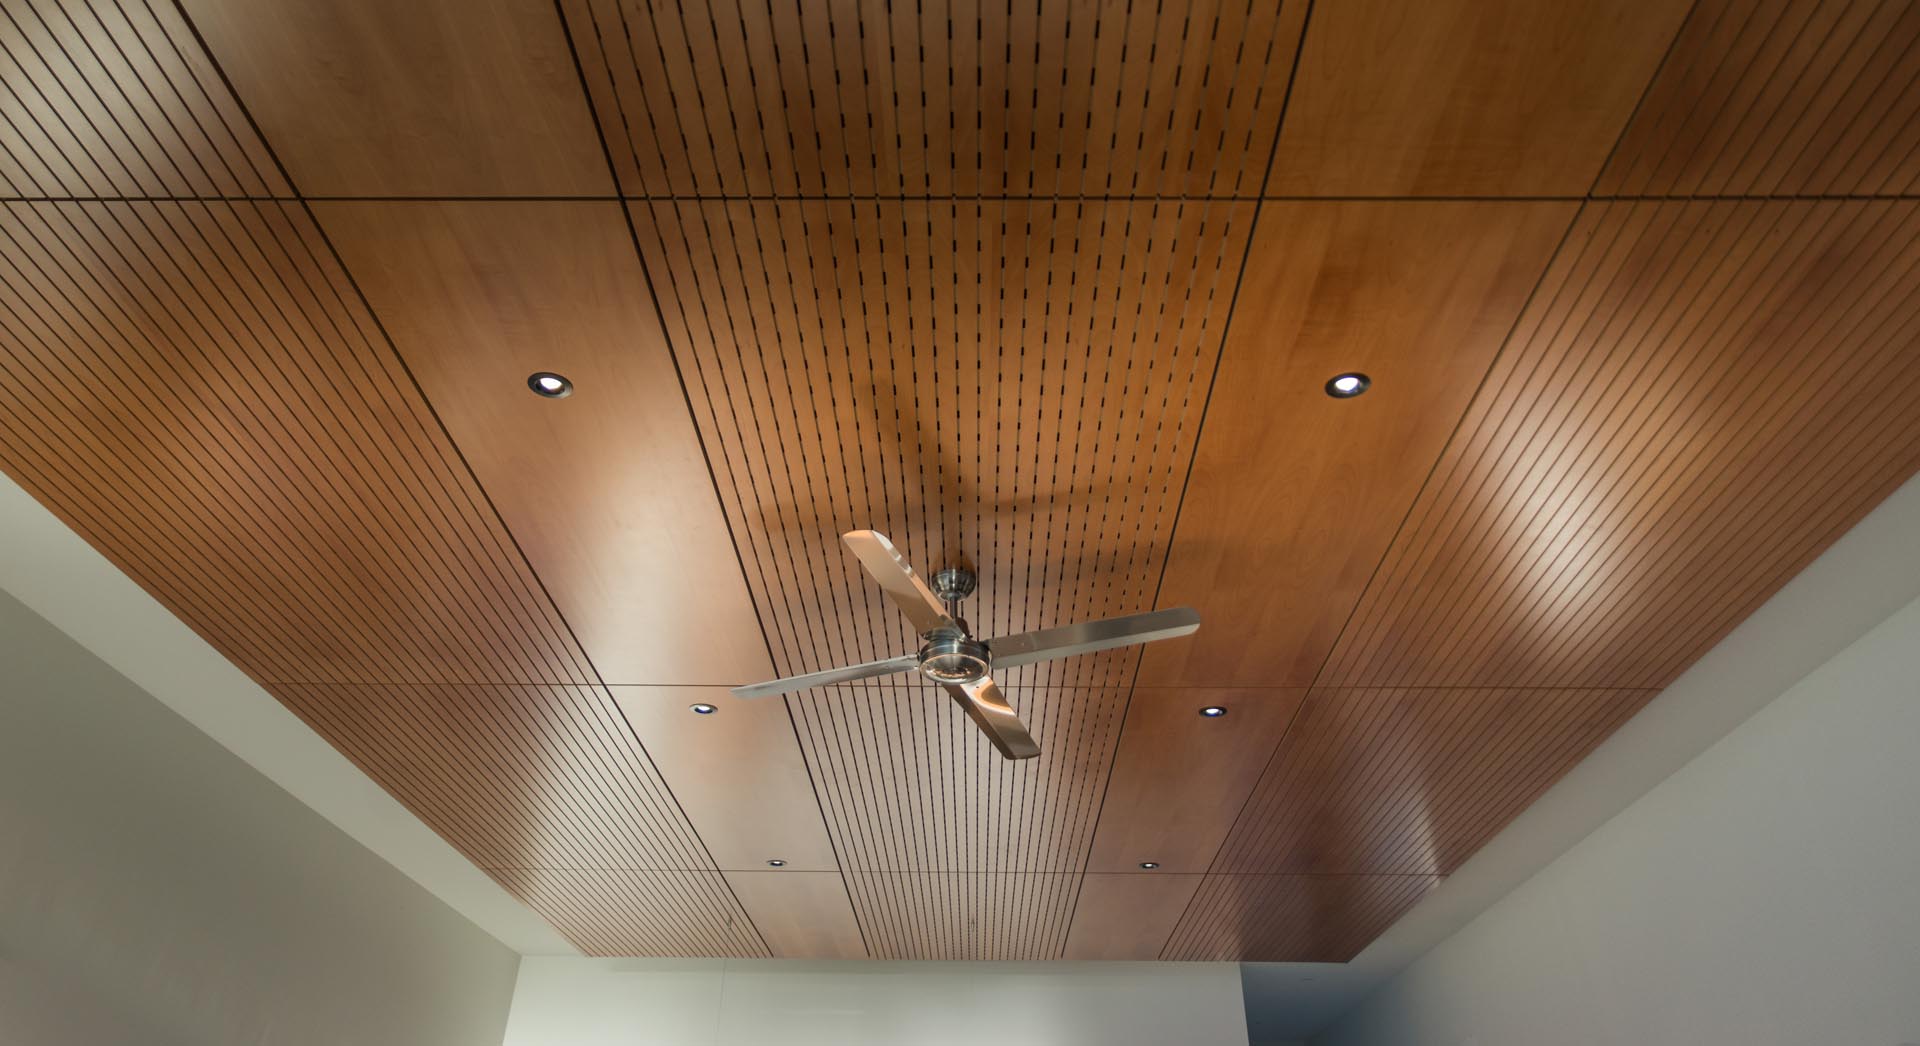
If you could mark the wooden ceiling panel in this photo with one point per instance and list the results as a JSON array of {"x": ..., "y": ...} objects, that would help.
[
  {"x": 997, "y": 916},
  {"x": 622, "y": 912},
  {"x": 233, "y": 431},
  {"x": 1295, "y": 495},
  {"x": 800, "y": 915},
  {"x": 909, "y": 784},
  {"x": 1013, "y": 384},
  {"x": 115, "y": 98},
  {"x": 421, "y": 98},
  {"x": 738, "y": 773},
  {"x": 965, "y": 99},
  {"x": 1675, "y": 429},
  {"x": 517, "y": 777},
  {"x": 1291, "y": 918},
  {"x": 1465, "y": 97},
  {"x": 1180, "y": 778},
  {"x": 1780, "y": 99},
  {"x": 1412, "y": 782},
  {"x": 606, "y": 491},
  {"x": 1128, "y": 917}
]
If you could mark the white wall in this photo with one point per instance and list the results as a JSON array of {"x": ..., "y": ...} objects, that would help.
[
  {"x": 609, "y": 1002},
  {"x": 154, "y": 889},
  {"x": 1767, "y": 892}
]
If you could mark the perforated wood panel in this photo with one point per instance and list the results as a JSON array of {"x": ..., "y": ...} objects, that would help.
[
  {"x": 1780, "y": 99},
  {"x": 942, "y": 99}
]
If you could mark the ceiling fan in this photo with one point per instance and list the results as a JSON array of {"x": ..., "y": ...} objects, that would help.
[{"x": 952, "y": 658}]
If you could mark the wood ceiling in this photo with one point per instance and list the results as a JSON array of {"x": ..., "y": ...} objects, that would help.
[{"x": 1052, "y": 289}]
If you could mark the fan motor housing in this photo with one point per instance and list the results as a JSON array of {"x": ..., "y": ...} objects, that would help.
[{"x": 954, "y": 660}]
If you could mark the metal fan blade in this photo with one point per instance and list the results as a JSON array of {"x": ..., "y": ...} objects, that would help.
[
  {"x": 791, "y": 684},
  {"x": 995, "y": 718},
  {"x": 1048, "y": 643},
  {"x": 898, "y": 580}
]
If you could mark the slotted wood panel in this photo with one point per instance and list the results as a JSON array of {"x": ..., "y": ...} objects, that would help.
[
  {"x": 1411, "y": 782},
  {"x": 115, "y": 98},
  {"x": 1291, "y": 918},
  {"x": 1295, "y": 495},
  {"x": 861, "y": 99},
  {"x": 1465, "y": 97},
  {"x": 418, "y": 98},
  {"x": 1780, "y": 99},
  {"x": 1701, "y": 397},
  {"x": 229, "y": 428}
]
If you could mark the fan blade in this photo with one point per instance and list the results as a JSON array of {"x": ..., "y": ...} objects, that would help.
[
  {"x": 791, "y": 684},
  {"x": 898, "y": 580},
  {"x": 1048, "y": 643},
  {"x": 995, "y": 718}
]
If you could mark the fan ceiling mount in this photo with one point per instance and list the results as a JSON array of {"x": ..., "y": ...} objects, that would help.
[{"x": 954, "y": 659}]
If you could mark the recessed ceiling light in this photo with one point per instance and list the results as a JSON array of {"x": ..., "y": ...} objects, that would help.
[
  {"x": 703, "y": 708},
  {"x": 547, "y": 383},
  {"x": 776, "y": 863},
  {"x": 1213, "y": 711},
  {"x": 1347, "y": 386},
  {"x": 1149, "y": 865}
]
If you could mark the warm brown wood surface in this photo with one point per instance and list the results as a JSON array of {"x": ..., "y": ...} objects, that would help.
[
  {"x": 1780, "y": 99},
  {"x": 1465, "y": 97},
  {"x": 1418, "y": 296},
  {"x": 1021, "y": 288},
  {"x": 606, "y": 491},
  {"x": 1128, "y": 917},
  {"x": 411, "y": 98}
]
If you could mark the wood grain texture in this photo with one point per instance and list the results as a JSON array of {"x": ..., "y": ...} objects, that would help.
[
  {"x": 1180, "y": 779},
  {"x": 738, "y": 774},
  {"x": 1412, "y": 782},
  {"x": 1128, "y": 917},
  {"x": 605, "y": 491},
  {"x": 115, "y": 98},
  {"x": 422, "y": 98},
  {"x": 1465, "y": 97},
  {"x": 1677, "y": 427},
  {"x": 800, "y": 915},
  {"x": 963, "y": 99},
  {"x": 1291, "y": 918},
  {"x": 1295, "y": 495},
  {"x": 1780, "y": 99}
]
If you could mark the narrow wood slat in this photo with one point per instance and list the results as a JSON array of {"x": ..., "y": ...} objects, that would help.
[
  {"x": 997, "y": 916},
  {"x": 1128, "y": 917},
  {"x": 621, "y": 913}
]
